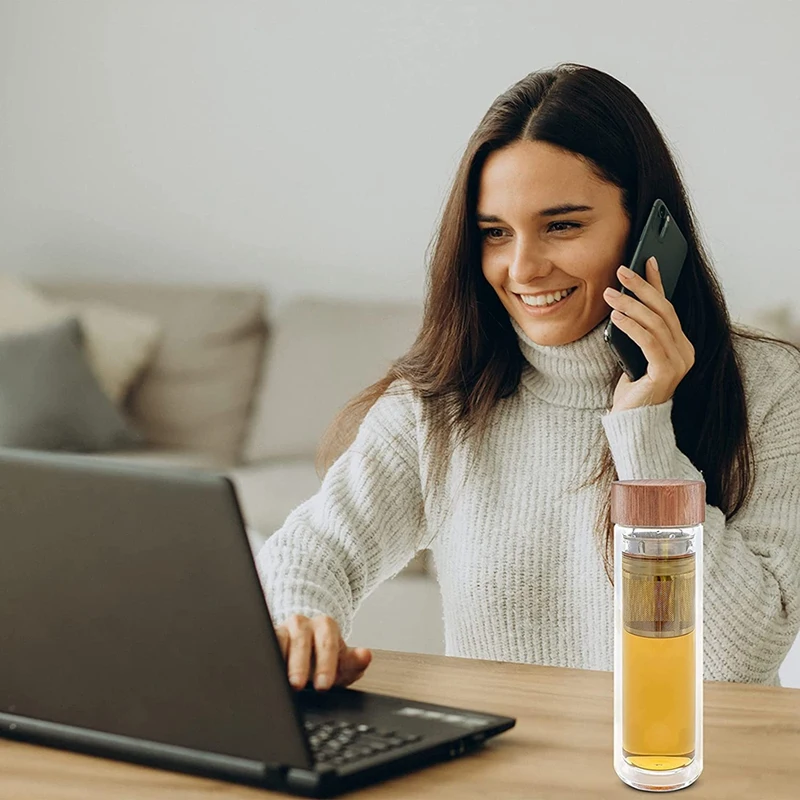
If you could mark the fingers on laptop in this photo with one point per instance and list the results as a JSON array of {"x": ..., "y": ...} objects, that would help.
[
  {"x": 315, "y": 650},
  {"x": 328, "y": 645},
  {"x": 298, "y": 658}
]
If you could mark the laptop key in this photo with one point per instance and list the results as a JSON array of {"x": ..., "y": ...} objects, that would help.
[
  {"x": 378, "y": 745},
  {"x": 394, "y": 741}
]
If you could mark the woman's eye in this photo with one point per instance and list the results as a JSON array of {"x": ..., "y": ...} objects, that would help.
[
  {"x": 568, "y": 224},
  {"x": 554, "y": 227}
]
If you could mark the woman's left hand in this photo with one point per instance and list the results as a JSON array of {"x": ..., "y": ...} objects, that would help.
[{"x": 652, "y": 323}]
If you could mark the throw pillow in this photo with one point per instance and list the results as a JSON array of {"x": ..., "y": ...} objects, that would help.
[
  {"x": 118, "y": 344},
  {"x": 197, "y": 391},
  {"x": 49, "y": 397}
]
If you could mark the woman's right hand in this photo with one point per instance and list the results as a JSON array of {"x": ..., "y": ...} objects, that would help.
[{"x": 313, "y": 648}]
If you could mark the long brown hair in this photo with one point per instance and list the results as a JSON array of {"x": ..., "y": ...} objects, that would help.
[{"x": 467, "y": 357}]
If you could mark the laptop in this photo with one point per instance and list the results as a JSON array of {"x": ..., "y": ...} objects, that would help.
[{"x": 134, "y": 626}]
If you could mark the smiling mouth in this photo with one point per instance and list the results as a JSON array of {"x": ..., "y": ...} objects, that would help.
[{"x": 546, "y": 300}]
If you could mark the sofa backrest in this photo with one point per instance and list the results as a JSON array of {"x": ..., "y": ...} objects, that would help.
[
  {"x": 321, "y": 353},
  {"x": 198, "y": 391}
]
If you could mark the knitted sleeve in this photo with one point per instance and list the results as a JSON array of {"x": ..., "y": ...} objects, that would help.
[
  {"x": 363, "y": 525},
  {"x": 752, "y": 563}
]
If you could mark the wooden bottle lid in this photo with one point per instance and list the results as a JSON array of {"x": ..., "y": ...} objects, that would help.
[{"x": 658, "y": 503}]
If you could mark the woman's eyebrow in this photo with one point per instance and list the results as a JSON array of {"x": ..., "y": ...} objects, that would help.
[{"x": 553, "y": 211}]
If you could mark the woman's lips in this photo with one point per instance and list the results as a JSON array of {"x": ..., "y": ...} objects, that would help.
[{"x": 553, "y": 308}]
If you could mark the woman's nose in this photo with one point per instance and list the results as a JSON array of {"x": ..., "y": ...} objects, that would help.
[{"x": 528, "y": 265}]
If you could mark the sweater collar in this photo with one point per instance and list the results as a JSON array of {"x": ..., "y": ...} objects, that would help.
[{"x": 581, "y": 374}]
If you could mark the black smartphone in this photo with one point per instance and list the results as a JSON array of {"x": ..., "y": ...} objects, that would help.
[{"x": 661, "y": 237}]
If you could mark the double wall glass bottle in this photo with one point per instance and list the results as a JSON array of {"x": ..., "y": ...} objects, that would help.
[{"x": 658, "y": 632}]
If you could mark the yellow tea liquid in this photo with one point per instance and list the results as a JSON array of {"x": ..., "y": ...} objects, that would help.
[{"x": 658, "y": 729}]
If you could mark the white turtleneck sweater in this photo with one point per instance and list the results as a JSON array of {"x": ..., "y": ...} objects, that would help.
[{"x": 513, "y": 539}]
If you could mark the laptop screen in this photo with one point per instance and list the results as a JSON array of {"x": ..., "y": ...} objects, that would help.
[{"x": 130, "y": 605}]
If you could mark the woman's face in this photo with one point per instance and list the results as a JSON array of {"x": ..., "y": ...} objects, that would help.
[{"x": 549, "y": 224}]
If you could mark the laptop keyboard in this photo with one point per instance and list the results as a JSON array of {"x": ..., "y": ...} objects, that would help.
[{"x": 338, "y": 743}]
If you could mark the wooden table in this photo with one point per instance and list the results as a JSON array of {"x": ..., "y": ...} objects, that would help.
[{"x": 560, "y": 748}]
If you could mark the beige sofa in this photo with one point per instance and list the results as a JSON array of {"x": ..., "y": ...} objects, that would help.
[{"x": 239, "y": 388}]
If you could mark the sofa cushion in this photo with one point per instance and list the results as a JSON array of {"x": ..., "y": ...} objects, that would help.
[
  {"x": 118, "y": 343},
  {"x": 321, "y": 354},
  {"x": 197, "y": 392},
  {"x": 776, "y": 321},
  {"x": 50, "y": 398}
]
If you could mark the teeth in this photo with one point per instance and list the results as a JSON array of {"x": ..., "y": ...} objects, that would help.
[{"x": 544, "y": 300}]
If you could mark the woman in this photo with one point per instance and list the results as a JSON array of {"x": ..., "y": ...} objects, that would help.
[{"x": 493, "y": 442}]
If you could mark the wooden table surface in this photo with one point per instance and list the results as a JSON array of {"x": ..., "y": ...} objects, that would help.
[{"x": 560, "y": 748}]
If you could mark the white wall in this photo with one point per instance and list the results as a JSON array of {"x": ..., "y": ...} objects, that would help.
[{"x": 308, "y": 145}]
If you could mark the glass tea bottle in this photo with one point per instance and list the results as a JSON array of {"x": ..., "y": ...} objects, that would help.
[{"x": 658, "y": 632}]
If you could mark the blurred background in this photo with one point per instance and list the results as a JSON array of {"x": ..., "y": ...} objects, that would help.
[
  {"x": 228, "y": 193},
  {"x": 308, "y": 146}
]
